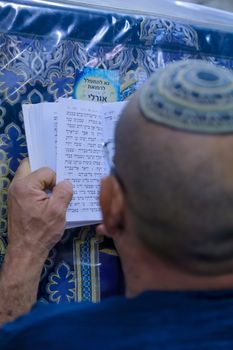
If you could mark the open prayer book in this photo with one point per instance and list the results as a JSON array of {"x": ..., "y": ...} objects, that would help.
[{"x": 68, "y": 136}]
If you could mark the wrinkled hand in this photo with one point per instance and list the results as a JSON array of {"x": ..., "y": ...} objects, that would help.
[{"x": 36, "y": 220}]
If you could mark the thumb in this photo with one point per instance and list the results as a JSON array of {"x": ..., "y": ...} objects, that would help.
[
  {"x": 23, "y": 170},
  {"x": 63, "y": 193}
]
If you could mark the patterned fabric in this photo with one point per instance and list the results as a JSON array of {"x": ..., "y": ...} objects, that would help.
[
  {"x": 192, "y": 95},
  {"x": 42, "y": 49}
]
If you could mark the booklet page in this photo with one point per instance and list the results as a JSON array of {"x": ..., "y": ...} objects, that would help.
[{"x": 80, "y": 156}]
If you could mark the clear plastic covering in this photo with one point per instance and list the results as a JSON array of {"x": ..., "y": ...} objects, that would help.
[
  {"x": 187, "y": 11},
  {"x": 44, "y": 46}
]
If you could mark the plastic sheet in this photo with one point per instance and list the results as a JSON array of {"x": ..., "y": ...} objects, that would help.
[
  {"x": 188, "y": 12},
  {"x": 44, "y": 44}
]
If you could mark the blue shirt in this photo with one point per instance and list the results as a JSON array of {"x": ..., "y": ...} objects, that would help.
[{"x": 153, "y": 320}]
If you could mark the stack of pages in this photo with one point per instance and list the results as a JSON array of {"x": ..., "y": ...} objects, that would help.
[{"x": 68, "y": 136}]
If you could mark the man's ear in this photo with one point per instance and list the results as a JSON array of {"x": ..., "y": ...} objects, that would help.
[{"x": 112, "y": 205}]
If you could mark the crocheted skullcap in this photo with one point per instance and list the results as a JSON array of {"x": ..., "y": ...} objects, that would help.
[{"x": 190, "y": 95}]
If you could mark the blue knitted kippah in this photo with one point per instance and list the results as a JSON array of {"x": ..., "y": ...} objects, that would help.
[{"x": 190, "y": 95}]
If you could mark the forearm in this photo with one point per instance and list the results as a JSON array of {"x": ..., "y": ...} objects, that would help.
[
  {"x": 19, "y": 280},
  {"x": 36, "y": 223}
]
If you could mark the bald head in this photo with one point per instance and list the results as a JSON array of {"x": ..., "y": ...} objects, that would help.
[{"x": 179, "y": 189}]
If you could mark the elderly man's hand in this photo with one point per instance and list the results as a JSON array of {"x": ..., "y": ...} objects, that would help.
[
  {"x": 36, "y": 219},
  {"x": 35, "y": 224}
]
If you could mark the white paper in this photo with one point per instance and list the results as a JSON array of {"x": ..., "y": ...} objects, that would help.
[
  {"x": 80, "y": 157},
  {"x": 68, "y": 137}
]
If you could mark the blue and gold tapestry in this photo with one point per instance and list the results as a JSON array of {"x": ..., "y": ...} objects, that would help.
[{"x": 42, "y": 49}]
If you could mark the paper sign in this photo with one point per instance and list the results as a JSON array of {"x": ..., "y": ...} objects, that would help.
[{"x": 97, "y": 85}]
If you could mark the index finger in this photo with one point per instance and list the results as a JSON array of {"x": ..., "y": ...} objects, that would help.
[
  {"x": 41, "y": 179},
  {"x": 23, "y": 170}
]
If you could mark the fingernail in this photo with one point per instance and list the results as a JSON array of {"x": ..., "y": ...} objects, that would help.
[{"x": 69, "y": 183}]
